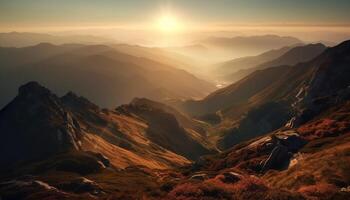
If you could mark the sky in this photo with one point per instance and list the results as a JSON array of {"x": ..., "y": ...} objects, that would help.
[
  {"x": 119, "y": 12},
  {"x": 31, "y": 15}
]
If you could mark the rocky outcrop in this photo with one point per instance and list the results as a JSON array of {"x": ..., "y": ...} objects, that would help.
[
  {"x": 328, "y": 85},
  {"x": 26, "y": 187},
  {"x": 36, "y": 125},
  {"x": 81, "y": 185},
  {"x": 230, "y": 177},
  {"x": 283, "y": 146},
  {"x": 277, "y": 157}
]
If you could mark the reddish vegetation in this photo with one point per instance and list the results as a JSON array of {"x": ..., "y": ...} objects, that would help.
[
  {"x": 281, "y": 165},
  {"x": 319, "y": 191},
  {"x": 337, "y": 123},
  {"x": 324, "y": 128},
  {"x": 247, "y": 188}
]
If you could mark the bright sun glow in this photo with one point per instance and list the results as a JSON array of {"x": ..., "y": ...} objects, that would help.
[{"x": 169, "y": 24}]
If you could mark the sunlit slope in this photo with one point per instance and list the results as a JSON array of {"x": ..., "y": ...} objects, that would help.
[{"x": 129, "y": 136}]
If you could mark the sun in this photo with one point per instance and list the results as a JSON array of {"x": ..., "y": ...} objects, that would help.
[{"x": 168, "y": 23}]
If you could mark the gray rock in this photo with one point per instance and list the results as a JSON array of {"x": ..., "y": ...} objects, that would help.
[
  {"x": 82, "y": 185},
  {"x": 200, "y": 177},
  {"x": 278, "y": 157},
  {"x": 231, "y": 177}
]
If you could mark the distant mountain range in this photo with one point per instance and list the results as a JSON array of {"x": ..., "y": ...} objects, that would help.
[
  {"x": 234, "y": 65},
  {"x": 23, "y": 39},
  {"x": 220, "y": 49},
  {"x": 284, "y": 56},
  {"x": 282, "y": 131},
  {"x": 250, "y": 45},
  {"x": 97, "y": 72}
]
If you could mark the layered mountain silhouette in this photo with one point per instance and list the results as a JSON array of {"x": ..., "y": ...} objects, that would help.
[
  {"x": 212, "y": 50},
  {"x": 280, "y": 132},
  {"x": 291, "y": 57},
  {"x": 97, "y": 72},
  {"x": 250, "y": 45},
  {"x": 234, "y": 65},
  {"x": 23, "y": 39}
]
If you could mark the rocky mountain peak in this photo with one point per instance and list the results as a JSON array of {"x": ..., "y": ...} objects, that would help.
[
  {"x": 74, "y": 101},
  {"x": 33, "y": 89},
  {"x": 41, "y": 120}
]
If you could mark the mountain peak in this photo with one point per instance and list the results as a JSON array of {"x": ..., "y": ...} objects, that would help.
[
  {"x": 72, "y": 100},
  {"x": 342, "y": 47},
  {"x": 345, "y": 43},
  {"x": 38, "y": 117},
  {"x": 32, "y": 88}
]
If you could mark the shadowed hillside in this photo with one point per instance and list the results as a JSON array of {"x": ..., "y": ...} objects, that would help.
[{"x": 297, "y": 88}]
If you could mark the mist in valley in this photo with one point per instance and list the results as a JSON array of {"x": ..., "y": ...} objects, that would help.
[{"x": 178, "y": 100}]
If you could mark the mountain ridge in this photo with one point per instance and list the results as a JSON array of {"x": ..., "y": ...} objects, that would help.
[
  {"x": 283, "y": 84},
  {"x": 73, "y": 124}
]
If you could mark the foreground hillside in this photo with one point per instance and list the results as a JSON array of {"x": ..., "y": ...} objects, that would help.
[
  {"x": 68, "y": 148},
  {"x": 309, "y": 162}
]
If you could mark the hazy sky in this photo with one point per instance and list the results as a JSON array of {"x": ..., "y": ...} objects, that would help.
[
  {"x": 308, "y": 19},
  {"x": 119, "y": 12}
]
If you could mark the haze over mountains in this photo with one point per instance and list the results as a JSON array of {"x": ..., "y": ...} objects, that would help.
[
  {"x": 23, "y": 39},
  {"x": 96, "y": 121},
  {"x": 96, "y": 71},
  {"x": 238, "y": 68},
  {"x": 242, "y": 46},
  {"x": 174, "y": 100},
  {"x": 218, "y": 49}
]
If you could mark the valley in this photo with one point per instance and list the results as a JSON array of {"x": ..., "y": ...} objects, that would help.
[
  {"x": 84, "y": 130},
  {"x": 174, "y": 100}
]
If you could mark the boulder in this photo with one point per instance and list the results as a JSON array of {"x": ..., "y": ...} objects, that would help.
[
  {"x": 200, "y": 177},
  {"x": 231, "y": 177},
  {"x": 277, "y": 158},
  {"x": 281, "y": 147},
  {"x": 82, "y": 185},
  {"x": 25, "y": 188},
  {"x": 293, "y": 143}
]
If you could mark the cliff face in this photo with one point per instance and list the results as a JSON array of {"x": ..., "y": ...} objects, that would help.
[
  {"x": 327, "y": 86},
  {"x": 35, "y": 125}
]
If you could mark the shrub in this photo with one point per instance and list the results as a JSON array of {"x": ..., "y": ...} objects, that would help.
[
  {"x": 319, "y": 191},
  {"x": 247, "y": 188}
]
